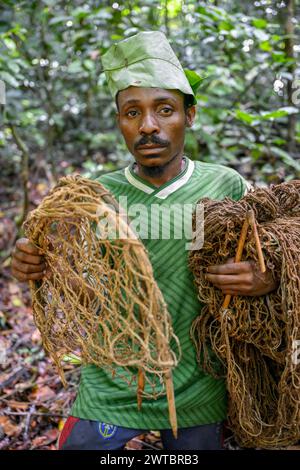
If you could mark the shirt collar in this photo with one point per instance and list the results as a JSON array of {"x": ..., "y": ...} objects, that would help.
[{"x": 167, "y": 188}]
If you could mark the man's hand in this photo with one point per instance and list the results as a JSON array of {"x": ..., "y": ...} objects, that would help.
[
  {"x": 243, "y": 278},
  {"x": 27, "y": 263}
]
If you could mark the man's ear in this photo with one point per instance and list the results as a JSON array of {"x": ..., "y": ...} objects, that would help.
[
  {"x": 190, "y": 116},
  {"x": 117, "y": 115}
]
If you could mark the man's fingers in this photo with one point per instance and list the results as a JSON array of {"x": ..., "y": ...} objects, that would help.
[
  {"x": 242, "y": 278},
  {"x": 27, "y": 268},
  {"x": 22, "y": 277},
  {"x": 26, "y": 258},
  {"x": 236, "y": 288},
  {"x": 230, "y": 268},
  {"x": 23, "y": 244},
  {"x": 228, "y": 279}
]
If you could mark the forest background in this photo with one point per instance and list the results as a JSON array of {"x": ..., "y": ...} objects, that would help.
[{"x": 57, "y": 118}]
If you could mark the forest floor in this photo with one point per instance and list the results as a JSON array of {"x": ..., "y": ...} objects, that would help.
[{"x": 33, "y": 402}]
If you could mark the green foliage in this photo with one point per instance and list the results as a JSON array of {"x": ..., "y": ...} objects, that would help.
[{"x": 57, "y": 96}]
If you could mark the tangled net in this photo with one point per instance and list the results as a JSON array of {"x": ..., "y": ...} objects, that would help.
[
  {"x": 101, "y": 300},
  {"x": 255, "y": 338}
]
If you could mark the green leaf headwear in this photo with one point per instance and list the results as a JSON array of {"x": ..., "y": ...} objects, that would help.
[{"x": 147, "y": 60}]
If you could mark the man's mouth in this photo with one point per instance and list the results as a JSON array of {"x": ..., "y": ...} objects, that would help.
[
  {"x": 151, "y": 146},
  {"x": 151, "y": 151}
]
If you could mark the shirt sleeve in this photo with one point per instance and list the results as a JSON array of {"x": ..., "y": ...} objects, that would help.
[{"x": 240, "y": 187}]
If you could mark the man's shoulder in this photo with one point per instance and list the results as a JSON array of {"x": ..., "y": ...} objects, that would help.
[
  {"x": 215, "y": 169},
  {"x": 226, "y": 179},
  {"x": 112, "y": 177}
]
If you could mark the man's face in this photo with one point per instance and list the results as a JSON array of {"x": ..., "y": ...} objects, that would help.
[{"x": 153, "y": 121}]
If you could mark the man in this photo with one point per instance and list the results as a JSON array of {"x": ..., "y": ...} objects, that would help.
[{"x": 155, "y": 103}]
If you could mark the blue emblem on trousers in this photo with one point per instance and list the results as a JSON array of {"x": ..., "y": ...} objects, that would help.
[{"x": 107, "y": 431}]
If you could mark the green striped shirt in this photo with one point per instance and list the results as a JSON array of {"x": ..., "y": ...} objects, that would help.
[{"x": 200, "y": 398}]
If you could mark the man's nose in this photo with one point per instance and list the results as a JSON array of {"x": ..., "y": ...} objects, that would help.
[{"x": 148, "y": 124}]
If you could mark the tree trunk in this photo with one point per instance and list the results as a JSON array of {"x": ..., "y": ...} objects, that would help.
[
  {"x": 24, "y": 173},
  {"x": 289, "y": 49},
  {"x": 166, "y": 19}
]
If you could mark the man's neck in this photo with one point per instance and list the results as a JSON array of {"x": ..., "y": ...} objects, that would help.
[{"x": 170, "y": 171}]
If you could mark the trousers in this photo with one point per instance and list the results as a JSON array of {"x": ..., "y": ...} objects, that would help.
[{"x": 84, "y": 434}]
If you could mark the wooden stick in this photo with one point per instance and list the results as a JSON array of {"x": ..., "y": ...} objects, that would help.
[
  {"x": 170, "y": 397},
  {"x": 140, "y": 388},
  {"x": 239, "y": 251},
  {"x": 171, "y": 402},
  {"x": 261, "y": 260}
]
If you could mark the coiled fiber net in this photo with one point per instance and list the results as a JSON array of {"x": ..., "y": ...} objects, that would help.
[
  {"x": 101, "y": 301},
  {"x": 255, "y": 338}
]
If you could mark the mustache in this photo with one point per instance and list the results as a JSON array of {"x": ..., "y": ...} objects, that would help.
[{"x": 151, "y": 140}]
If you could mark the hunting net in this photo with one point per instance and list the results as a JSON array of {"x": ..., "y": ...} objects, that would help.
[
  {"x": 255, "y": 338},
  {"x": 100, "y": 301}
]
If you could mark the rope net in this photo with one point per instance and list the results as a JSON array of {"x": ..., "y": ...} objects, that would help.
[
  {"x": 255, "y": 338},
  {"x": 101, "y": 301}
]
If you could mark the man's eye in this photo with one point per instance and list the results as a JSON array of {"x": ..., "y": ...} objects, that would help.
[
  {"x": 129, "y": 113},
  {"x": 166, "y": 110}
]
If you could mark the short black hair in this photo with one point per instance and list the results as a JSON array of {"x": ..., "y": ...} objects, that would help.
[{"x": 188, "y": 101}]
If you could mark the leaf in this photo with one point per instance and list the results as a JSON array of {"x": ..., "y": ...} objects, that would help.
[
  {"x": 273, "y": 114},
  {"x": 9, "y": 428},
  {"x": 10, "y": 44},
  {"x": 290, "y": 109},
  {"x": 243, "y": 116},
  {"x": 42, "y": 394},
  {"x": 278, "y": 141},
  {"x": 38, "y": 441},
  {"x": 16, "y": 301},
  {"x": 75, "y": 67},
  {"x": 46, "y": 439},
  {"x": 225, "y": 26},
  {"x": 9, "y": 79},
  {"x": 265, "y": 115},
  {"x": 72, "y": 358},
  {"x": 136, "y": 443},
  {"x": 61, "y": 424},
  {"x": 265, "y": 46},
  {"x": 278, "y": 113},
  {"x": 286, "y": 158},
  {"x": 280, "y": 57},
  {"x": 14, "y": 289},
  {"x": 36, "y": 337},
  {"x": 261, "y": 35},
  {"x": 259, "y": 23},
  {"x": 194, "y": 79},
  {"x": 52, "y": 434},
  {"x": 80, "y": 13},
  {"x": 13, "y": 67},
  {"x": 59, "y": 19},
  {"x": 88, "y": 65},
  {"x": 6, "y": 263},
  {"x": 18, "y": 405}
]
